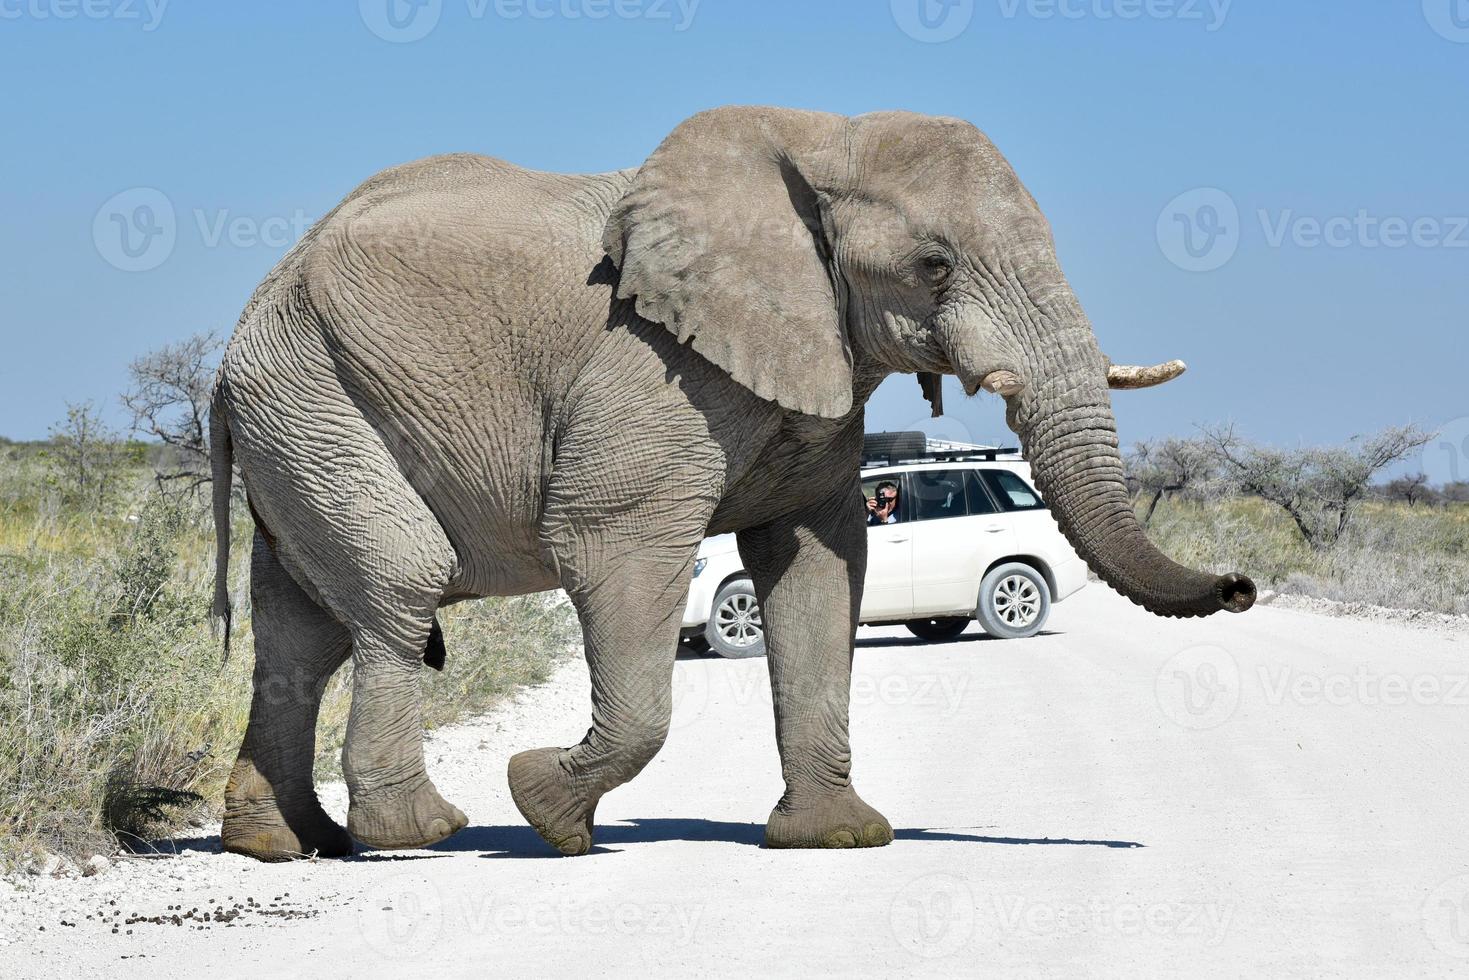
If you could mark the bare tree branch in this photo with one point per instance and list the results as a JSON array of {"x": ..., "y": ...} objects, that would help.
[
  {"x": 1318, "y": 488},
  {"x": 169, "y": 400}
]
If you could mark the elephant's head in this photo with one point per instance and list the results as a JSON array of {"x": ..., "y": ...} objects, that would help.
[{"x": 808, "y": 254}]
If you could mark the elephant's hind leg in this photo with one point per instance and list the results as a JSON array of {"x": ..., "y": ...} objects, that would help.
[
  {"x": 399, "y": 569},
  {"x": 630, "y": 623},
  {"x": 624, "y": 538},
  {"x": 271, "y": 810},
  {"x": 369, "y": 550}
]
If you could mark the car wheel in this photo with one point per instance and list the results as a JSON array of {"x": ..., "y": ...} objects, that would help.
[
  {"x": 735, "y": 629},
  {"x": 1014, "y": 601},
  {"x": 938, "y": 630}
]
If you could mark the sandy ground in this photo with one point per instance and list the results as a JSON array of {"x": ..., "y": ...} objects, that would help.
[{"x": 1275, "y": 793}]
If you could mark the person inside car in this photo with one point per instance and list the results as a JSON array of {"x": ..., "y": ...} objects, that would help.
[{"x": 883, "y": 508}]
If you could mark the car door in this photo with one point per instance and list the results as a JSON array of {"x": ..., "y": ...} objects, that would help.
[
  {"x": 1036, "y": 532},
  {"x": 958, "y": 532},
  {"x": 887, "y": 591}
]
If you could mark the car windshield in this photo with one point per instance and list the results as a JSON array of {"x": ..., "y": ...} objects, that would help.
[{"x": 1011, "y": 491}]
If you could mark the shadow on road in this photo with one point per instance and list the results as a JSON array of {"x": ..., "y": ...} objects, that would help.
[
  {"x": 915, "y": 834},
  {"x": 686, "y": 652},
  {"x": 520, "y": 841},
  {"x": 913, "y": 641}
]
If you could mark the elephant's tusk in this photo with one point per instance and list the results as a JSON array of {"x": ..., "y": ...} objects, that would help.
[
  {"x": 1133, "y": 376},
  {"x": 1003, "y": 383}
]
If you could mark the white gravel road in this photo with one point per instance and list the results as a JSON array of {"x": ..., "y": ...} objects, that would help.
[{"x": 1268, "y": 794}]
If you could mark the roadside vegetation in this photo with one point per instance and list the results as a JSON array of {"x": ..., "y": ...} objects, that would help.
[
  {"x": 1314, "y": 521},
  {"x": 119, "y": 718}
]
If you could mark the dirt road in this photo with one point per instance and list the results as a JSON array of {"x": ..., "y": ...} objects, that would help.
[{"x": 1262, "y": 794}]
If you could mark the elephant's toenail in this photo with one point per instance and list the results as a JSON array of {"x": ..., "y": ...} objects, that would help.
[
  {"x": 876, "y": 835},
  {"x": 842, "y": 838},
  {"x": 572, "y": 846},
  {"x": 439, "y": 828}
]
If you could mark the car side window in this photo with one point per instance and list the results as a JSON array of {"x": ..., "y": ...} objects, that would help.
[
  {"x": 1012, "y": 492},
  {"x": 938, "y": 494},
  {"x": 878, "y": 490},
  {"x": 980, "y": 501}
]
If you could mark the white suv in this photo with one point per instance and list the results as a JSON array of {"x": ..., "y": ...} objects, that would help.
[{"x": 970, "y": 539}]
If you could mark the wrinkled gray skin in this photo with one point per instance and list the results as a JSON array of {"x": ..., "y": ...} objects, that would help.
[{"x": 471, "y": 379}]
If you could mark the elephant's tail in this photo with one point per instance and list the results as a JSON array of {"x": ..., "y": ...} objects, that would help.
[{"x": 221, "y": 462}]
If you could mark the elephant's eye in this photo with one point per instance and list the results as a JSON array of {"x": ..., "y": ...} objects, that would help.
[{"x": 936, "y": 268}]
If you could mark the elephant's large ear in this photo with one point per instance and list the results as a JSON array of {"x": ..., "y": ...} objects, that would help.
[{"x": 721, "y": 238}]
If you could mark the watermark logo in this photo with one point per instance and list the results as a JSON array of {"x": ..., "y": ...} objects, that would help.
[
  {"x": 932, "y": 21},
  {"x": 1446, "y": 457},
  {"x": 1448, "y": 18},
  {"x": 146, "y": 13},
  {"x": 690, "y": 693},
  {"x": 933, "y": 916},
  {"x": 1446, "y": 917},
  {"x": 135, "y": 230},
  {"x": 401, "y": 21},
  {"x": 401, "y": 916},
  {"x": 1199, "y": 688},
  {"x": 404, "y": 915},
  {"x": 1199, "y": 230}
]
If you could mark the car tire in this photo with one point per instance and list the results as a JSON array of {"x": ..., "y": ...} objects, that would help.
[
  {"x": 735, "y": 629},
  {"x": 939, "y": 629},
  {"x": 1014, "y": 601}
]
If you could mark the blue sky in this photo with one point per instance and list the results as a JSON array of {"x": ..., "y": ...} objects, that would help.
[{"x": 1330, "y": 300}]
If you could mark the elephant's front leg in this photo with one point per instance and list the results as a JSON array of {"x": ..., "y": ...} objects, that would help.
[{"x": 808, "y": 569}]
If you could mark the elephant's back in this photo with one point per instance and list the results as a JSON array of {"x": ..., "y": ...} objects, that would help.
[
  {"x": 451, "y": 297},
  {"x": 490, "y": 202}
]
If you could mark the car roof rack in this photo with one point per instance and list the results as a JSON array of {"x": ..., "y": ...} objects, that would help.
[{"x": 940, "y": 456}]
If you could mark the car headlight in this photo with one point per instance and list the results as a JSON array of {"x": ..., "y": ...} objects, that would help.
[{"x": 699, "y": 564}]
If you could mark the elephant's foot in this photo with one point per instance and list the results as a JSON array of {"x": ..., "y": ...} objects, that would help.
[
  {"x": 260, "y": 829},
  {"x": 842, "y": 820},
  {"x": 398, "y": 816},
  {"x": 545, "y": 795}
]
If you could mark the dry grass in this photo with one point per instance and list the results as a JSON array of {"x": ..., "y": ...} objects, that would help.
[
  {"x": 118, "y": 719},
  {"x": 1392, "y": 554}
]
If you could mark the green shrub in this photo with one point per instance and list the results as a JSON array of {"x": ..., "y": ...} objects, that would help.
[
  {"x": 1392, "y": 555},
  {"x": 118, "y": 718}
]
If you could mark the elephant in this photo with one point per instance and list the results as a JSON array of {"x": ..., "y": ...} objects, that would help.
[{"x": 471, "y": 379}]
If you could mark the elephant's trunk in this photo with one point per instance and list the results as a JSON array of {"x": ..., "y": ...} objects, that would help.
[
  {"x": 1056, "y": 390},
  {"x": 1074, "y": 459}
]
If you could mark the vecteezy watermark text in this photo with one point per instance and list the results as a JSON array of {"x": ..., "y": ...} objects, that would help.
[
  {"x": 404, "y": 21},
  {"x": 1210, "y": 13},
  {"x": 147, "y": 13},
  {"x": 1202, "y": 229},
  {"x": 936, "y": 21},
  {"x": 404, "y": 915},
  {"x": 1207, "y": 922}
]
